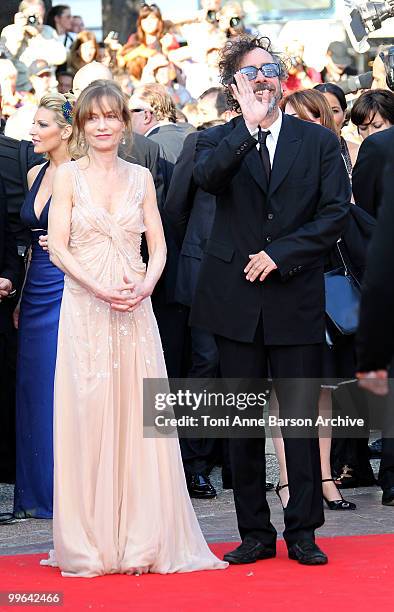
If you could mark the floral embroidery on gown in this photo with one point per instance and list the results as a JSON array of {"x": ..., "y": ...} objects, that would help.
[{"x": 120, "y": 501}]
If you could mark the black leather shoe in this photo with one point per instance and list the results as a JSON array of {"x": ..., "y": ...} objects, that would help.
[
  {"x": 200, "y": 487},
  {"x": 375, "y": 449},
  {"x": 7, "y": 518},
  {"x": 269, "y": 486},
  {"x": 307, "y": 553},
  {"x": 388, "y": 497},
  {"x": 249, "y": 551}
]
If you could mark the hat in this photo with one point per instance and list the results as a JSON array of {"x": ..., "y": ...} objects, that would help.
[
  {"x": 39, "y": 67},
  {"x": 158, "y": 61},
  {"x": 339, "y": 53}
]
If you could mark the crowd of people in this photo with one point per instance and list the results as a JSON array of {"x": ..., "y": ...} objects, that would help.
[{"x": 266, "y": 176}]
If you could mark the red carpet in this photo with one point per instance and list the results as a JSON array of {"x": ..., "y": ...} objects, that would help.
[{"x": 359, "y": 576}]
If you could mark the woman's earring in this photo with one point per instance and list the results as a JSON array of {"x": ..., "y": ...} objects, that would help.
[{"x": 123, "y": 141}]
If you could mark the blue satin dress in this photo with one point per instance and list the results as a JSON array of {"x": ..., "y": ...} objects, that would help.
[{"x": 37, "y": 344}]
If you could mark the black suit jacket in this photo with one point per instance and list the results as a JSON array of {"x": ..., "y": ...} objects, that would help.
[
  {"x": 191, "y": 212},
  {"x": 16, "y": 159},
  {"x": 367, "y": 177},
  {"x": 9, "y": 261},
  {"x": 296, "y": 220},
  {"x": 375, "y": 336},
  {"x": 146, "y": 153},
  {"x": 170, "y": 139}
]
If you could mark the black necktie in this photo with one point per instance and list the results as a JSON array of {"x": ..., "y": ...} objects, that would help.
[{"x": 264, "y": 153}]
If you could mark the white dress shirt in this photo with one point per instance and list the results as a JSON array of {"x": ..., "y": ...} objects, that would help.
[{"x": 272, "y": 138}]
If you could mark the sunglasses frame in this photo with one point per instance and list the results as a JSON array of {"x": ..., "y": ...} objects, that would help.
[{"x": 254, "y": 70}]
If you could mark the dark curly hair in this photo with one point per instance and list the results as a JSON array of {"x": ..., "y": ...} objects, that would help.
[{"x": 231, "y": 56}]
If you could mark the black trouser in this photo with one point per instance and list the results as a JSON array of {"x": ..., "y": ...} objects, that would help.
[
  {"x": 7, "y": 406},
  {"x": 304, "y": 512},
  {"x": 199, "y": 455},
  {"x": 386, "y": 469},
  {"x": 172, "y": 323}
]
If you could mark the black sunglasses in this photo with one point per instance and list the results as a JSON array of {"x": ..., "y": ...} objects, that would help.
[
  {"x": 149, "y": 6},
  {"x": 137, "y": 110},
  {"x": 269, "y": 70}
]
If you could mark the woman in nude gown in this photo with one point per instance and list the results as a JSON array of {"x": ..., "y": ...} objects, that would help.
[{"x": 120, "y": 500}]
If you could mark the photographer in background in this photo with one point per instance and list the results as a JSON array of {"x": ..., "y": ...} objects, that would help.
[
  {"x": 300, "y": 75},
  {"x": 231, "y": 20},
  {"x": 28, "y": 39},
  {"x": 339, "y": 63}
]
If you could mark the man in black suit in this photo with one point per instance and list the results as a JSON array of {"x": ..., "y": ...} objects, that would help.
[
  {"x": 280, "y": 209},
  {"x": 375, "y": 336},
  {"x": 10, "y": 278},
  {"x": 16, "y": 159},
  {"x": 376, "y": 152},
  {"x": 367, "y": 177},
  {"x": 191, "y": 210}
]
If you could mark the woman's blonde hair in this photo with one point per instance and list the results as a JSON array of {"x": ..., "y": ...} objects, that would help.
[
  {"x": 97, "y": 92},
  {"x": 314, "y": 102},
  {"x": 62, "y": 105}
]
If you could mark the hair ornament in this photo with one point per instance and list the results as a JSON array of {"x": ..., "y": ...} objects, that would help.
[{"x": 67, "y": 110}]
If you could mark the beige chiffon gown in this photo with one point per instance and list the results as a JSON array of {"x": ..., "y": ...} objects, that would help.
[{"x": 120, "y": 500}]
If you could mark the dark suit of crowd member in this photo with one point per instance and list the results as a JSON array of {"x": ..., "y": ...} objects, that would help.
[
  {"x": 9, "y": 269},
  {"x": 367, "y": 178},
  {"x": 375, "y": 336},
  {"x": 190, "y": 211},
  {"x": 16, "y": 159},
  {"x": 369, "y": 188},
  {"x": 171, "y": 316},
  {"x": 170, "y": 138},
  {"x": 147, "y": 153},
  {"x": 294, "y": 217}
]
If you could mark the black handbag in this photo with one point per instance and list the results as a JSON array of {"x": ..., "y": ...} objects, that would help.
[{"x": 343, "y": 295}]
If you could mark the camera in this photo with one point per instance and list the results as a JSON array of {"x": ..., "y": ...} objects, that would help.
[
  {"x": 235, "y": 23},
  {"x": 363, "y": 18},
  {"x": 113, "y": 35},
  {"x": 211, "y": 16},
  {"x": 387, "y": 58},
  {"x": 296, "y": 61},
  {"x": 32, "y": 20}
]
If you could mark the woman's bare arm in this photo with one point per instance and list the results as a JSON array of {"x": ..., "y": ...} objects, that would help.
[
  {"x": 154, "y": 236},
  {"x": 59, "y": 223},
  {"x": 157, "y": 252}
]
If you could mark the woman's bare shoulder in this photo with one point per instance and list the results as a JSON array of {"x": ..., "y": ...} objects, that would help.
[
  {"x": 65, "y": 171},
  {"x": 132, "y": 167},
  {"x": 33, "y": 173}
]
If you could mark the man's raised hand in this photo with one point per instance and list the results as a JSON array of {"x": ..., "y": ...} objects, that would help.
[{"x": 254, "y": 111}]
